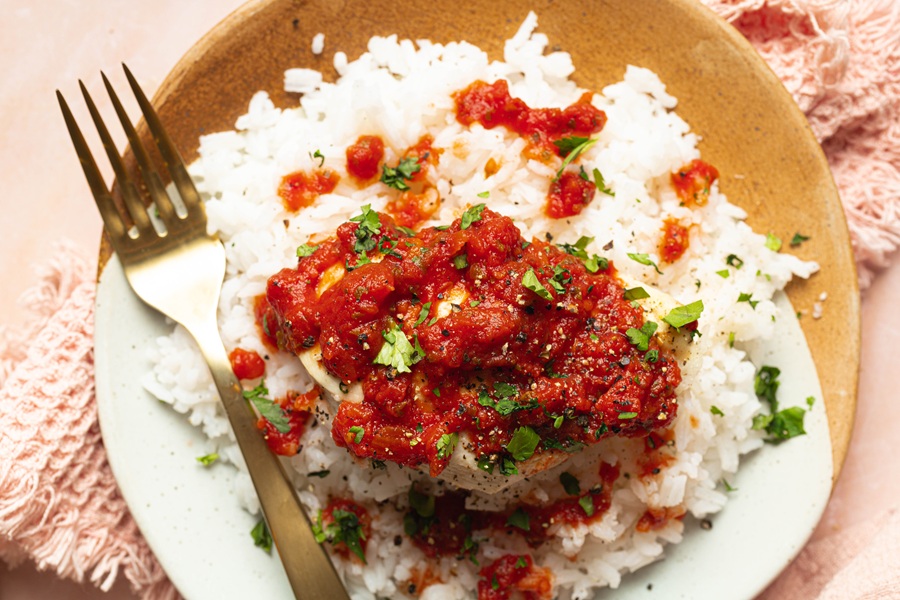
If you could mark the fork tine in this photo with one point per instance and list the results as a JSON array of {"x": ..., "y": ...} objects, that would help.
[
  {"x": 111, "y": 218},
  {"x": 174, "y": 162},
  {"x": 151, "y": 178},
  {"x": 129, "y": 194}
]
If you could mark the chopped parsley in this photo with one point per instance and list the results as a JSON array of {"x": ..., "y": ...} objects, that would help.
[
  {"x": 592, "y": 263},
  {"x": 644, "y": 259},
  {"x": 305, "y": 250},
  {"x": 810, "y": 400},
  {"x": 640, "y": 338},
  {"x": 471, "y": 215},
  {"x": 484, "y": 194},
  {"x": 461, "y": 261},
  {"x": 773, "y": 242},
  {"x": 446, "y": 444},
  {"x": 396, "y": 177},
  {"x": 369, "y": 227},
  {"x": 733, "y": 260},
  {"x": 320, "y": 156},
  {"x": 485, "y": 464},
  {"x": 423, "y": 314},
  {"x": 422, "y": 504},
  {"x": 728, "y": 487},
  {"x": 523, "y": 443},
  {"x": 505, "y": 405},
  {"x": 627, "y": 415},
  {"x": 636, "y": 293},
  {"x": 724, "y": 273},
  {"x": 716, "y": 410},
  {"x": 570, "y": 483},
  {"x": 261, "y": 536},
  {"x": 783, "y": 424},
  {"x": 743, "y": 297},
  {"x": 531, "y": 282},
  {"x": 268, "y": 409},
  {"x": 208, "y": 459},
  {"x": 601, "y": 185},
  {"x": 320, "y": 474},
  {"x": 521, "y": 563},
  {"x": 766, "y": 383},
  {"x": 397, "y": 352},
  {"x": 587, "y": 504},
  {"x": 680, "y": 316},
  {"x": 798, "y": 239},
  {"x": 345, "y": 528},
  {"x": 519, "y": 518},
  {"x": 571, "y": 148},
  {"x": 358, "y": 433}
]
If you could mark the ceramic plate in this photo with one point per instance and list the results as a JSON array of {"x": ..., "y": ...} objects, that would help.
[{"x": 751, "y": 131}]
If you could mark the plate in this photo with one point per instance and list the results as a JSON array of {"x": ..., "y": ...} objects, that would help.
[{"x": 749, "y": 125}]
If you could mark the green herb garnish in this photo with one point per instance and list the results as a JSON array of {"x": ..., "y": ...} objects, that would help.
[
  {"x": 305, "y": 250},
  {"x": 208, "y": 459},
  {"x": 636, "y": 293},
  {"x": 640, "y": 338},
  {"x": 644, "y": 259},
  {"x": 423, "y": 314},
  {"x": 773, "y": 242},
  {"x": 268, "y": 409},
  {"x": 531, "y": 282},
  {"x": 404, "y": 171},
  {"x": 587, "y": 504},
  {"x": 358, "y": 433},
  {"x": 523, "y": 443},
  {"x": 680, "y": 316},
  {"x": 570, "y": 483},
  {"x": 344, "y": 528},
  {"x": 446, "y": 444},
  {"x": 519, "y": 518},
  {"x": 397, "y": 352},
  {"x": 369, "y": 227},
  {"x": 571, "y": 148},
  {"x": 798, "y": 239},
  {"x": 261, "y": 536},
  {"x": 601, "y": 184},
  {"x": 471, "y": 215}
]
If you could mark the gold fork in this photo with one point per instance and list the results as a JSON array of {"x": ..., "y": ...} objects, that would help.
[{"x": 180, "y": 273}]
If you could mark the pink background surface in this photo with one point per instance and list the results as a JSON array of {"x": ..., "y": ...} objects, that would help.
[{"x": 49, "y": 45}]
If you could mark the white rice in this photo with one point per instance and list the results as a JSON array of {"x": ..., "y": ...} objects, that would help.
[{"x": 642, "y": 143}]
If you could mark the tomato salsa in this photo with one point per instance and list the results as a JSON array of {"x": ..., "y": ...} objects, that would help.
[
  {"x": 470, "y": 334},
  {"x": 491, "y": 105}
]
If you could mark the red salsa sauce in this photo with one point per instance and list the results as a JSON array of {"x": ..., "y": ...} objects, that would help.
[
  {"x": 674, "y": 242},
  {"x": 515, "y": 574},
  {"x": 347, "y": 525},
  {"x": 298, "y": 409},
  {"x": 364, "y": 157},
  {"x": 443, "y": 526},
  {"x": 300, "y": 189},
  {"x": 532, "y": 343},
  {"x": 693, "y": 181},
  {"x": 491, "y": 105},
  {"x": 413, "y": 206},
  {"x": 569, "y": 195},
  {"x": 246, "y": 364}
]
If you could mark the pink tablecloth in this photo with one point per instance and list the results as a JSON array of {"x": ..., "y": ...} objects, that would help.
[{"x": 58, "y": 503}]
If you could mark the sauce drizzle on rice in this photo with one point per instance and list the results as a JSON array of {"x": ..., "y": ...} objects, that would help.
[{"x": 470, "y": 328}]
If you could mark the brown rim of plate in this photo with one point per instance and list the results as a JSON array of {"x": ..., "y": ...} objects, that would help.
[{"x": 750, "y": 127}]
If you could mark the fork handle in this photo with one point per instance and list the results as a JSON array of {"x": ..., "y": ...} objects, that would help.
[{"x": 310, "y": 572}]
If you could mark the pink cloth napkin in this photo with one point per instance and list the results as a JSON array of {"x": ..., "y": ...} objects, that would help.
[{"x": 59, "y": 504}]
